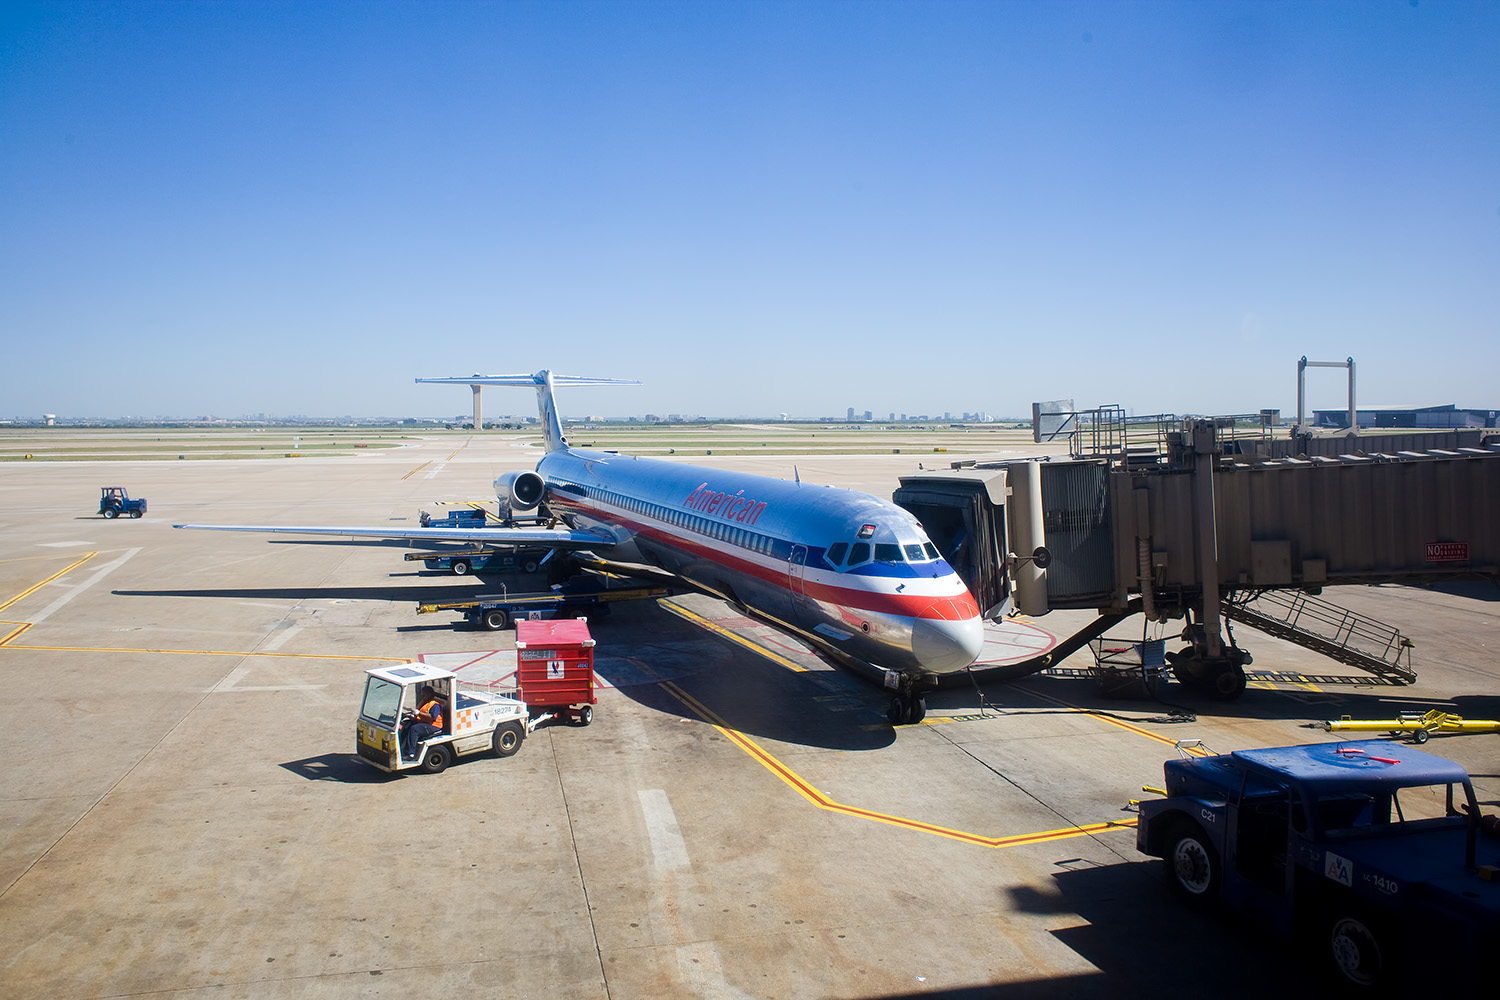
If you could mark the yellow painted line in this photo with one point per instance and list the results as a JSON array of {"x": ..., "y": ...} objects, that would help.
[
  {"x": 33, "y": 558},
  {"x": 418, "y": 469},
  {"x": 20, "y": 627},
  {"x": 38, "y": 586},
  {"x": 822, "y": 801},
  {"x": 754, "y": 647},
  {"x": 1119, "y": 723},
  {"x": 5, "y": 644}
]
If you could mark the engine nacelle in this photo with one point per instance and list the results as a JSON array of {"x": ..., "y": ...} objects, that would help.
[{"x": 520, "y": 490}]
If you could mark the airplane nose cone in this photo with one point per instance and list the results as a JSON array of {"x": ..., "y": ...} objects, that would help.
[{"x": 944, "y": 646}]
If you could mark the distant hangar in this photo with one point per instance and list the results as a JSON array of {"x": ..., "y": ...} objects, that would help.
[{"x": 1446, "y": 417}]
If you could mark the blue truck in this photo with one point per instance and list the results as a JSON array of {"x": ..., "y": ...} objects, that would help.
[
  {"x": 114, "y": 501},
  {"x": 1375, "y": 851}
]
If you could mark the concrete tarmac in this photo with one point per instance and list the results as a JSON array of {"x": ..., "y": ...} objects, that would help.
[{"x": 184, "y": 815}]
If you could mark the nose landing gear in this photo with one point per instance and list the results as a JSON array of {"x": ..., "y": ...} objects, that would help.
[{"x": 908, "y": 704}]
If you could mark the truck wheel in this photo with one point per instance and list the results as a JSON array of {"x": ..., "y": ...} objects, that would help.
[
  {"x": 1192, "y": 864},
  {"x": 136, "y": 512},
  {"x": 1361, "y": 952},
  {"x": 111, "y": 513},
  {"x": 530, "y": 566},
  {"x": 508, "y": 738},
  {"x": 495, "y": 619},
  {"x": 436, "y": 759},
  {"x": 459, "y": 566},
  {"x": 585, "y": 715}
]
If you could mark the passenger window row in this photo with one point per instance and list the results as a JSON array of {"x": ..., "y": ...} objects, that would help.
[{"x": 713, "y": 528}]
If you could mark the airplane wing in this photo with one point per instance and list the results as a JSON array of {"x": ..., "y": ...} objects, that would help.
[{"x": 557, "y": 538}]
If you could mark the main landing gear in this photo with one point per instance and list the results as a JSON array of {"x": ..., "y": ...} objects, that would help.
[{"x": 908, "y": 704}]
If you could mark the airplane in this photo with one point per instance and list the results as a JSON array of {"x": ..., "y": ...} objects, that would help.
[{"x": 851, "y": 574}]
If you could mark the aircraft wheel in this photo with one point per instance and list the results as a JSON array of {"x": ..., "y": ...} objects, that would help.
[
  {"x": 436, "y": 759},
  {"x": 495, "y": 619},
  {"x": 111, "y": 513},
  {"x": 918, "y": 709},
  {"x": 585, "y": 715},
  {"x": 508, "y": 738},
  {"x": 899, "y": 711},
  {"x": 1192, "y": 864},
  {"x": 460, "y": 567}
]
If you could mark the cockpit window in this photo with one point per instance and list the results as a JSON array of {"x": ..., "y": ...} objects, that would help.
[
  {"x": 885, "y": 552},
  {"x": 836, "y": 552},
  {"x": 930, "y": 549},
  {"x": 859, "y": 552},
  {"x": 914, "y": 553}
]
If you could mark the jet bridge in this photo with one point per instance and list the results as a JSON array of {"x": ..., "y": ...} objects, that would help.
[{"x": 1202, "y": 525}]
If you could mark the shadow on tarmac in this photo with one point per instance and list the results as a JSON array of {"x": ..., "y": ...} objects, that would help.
[
  {"x": 1129, "y": 912},
  {"x": 342, "y": 767},
  {"x": 414, "y": 594},
  {"x": 743, "y": 691}
]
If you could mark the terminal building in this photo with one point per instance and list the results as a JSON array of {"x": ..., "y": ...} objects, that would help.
[{"x": 1443, "y": 417}]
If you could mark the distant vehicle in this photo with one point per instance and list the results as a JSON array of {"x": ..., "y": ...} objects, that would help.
[
  {"x": 463, "y": 517},
  {"x": 1370, "y": 848},
  {"x": 519, "y": 560},
  {"x": 114, "y": 501}
]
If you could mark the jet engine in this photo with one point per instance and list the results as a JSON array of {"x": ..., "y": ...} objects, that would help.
[{"x": 520, "y": 490}]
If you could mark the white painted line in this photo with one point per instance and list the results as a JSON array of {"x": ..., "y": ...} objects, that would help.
[
  {"x": 103, "y": 571},
  {"x": 232, "y": 679},
  {"x": 59, "y": 545},
  {"x": 661, "y": 825},
  {"x": 280, "y": 638}
]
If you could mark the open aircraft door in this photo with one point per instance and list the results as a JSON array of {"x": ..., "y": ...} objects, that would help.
[{"x": 794, "y": 568}]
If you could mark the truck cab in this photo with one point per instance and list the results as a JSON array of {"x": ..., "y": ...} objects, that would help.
[
  {"x": 474, "y": 719},
  {"x": 1369, "y": 848}
]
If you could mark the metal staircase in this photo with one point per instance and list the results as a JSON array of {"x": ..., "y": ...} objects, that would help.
[{"x": 1326, "y": 628}]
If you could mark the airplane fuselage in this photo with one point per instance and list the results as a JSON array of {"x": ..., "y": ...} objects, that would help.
[{"x": 847, "y": 570}]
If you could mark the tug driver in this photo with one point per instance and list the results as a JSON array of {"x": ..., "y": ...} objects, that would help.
[{"x": 426, "y": 723}]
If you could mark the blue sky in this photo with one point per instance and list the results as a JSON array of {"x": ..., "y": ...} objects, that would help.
[{"x": 753, "y": 208}]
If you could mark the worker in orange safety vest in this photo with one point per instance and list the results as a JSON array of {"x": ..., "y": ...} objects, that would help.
[{"x": 426, "y": 723}]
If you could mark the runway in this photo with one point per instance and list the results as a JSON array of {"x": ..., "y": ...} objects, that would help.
[{"x": 185, "y": 815}]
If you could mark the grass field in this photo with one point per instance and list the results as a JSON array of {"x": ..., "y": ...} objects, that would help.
[{"x": 43, "y": 444}]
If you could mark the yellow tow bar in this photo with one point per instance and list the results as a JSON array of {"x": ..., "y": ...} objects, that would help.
[{"x": 1417, "y": 725}]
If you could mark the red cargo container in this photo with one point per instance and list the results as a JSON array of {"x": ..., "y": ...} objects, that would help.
[{"x": 555, "y": 668}]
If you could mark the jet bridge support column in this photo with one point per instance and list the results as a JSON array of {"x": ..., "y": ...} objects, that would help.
[{"x": 1205, "y": 447}]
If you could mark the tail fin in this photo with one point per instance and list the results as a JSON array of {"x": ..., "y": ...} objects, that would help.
[{"x": 543, "y": 380}]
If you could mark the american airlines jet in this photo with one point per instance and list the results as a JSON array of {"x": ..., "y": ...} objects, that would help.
[{"x": 849, "y": 573}]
